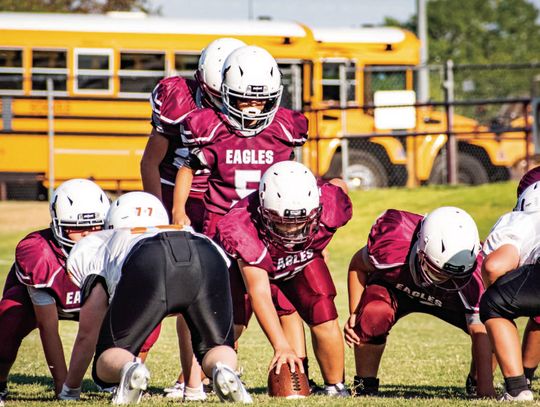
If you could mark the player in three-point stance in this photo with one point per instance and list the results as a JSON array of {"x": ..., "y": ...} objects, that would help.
[
  {"x": 172, "y": 100},
  {"x": 147, "y": 274},
  {"x": 38, "y": 291},
  {"x": 413, "y": 263},
  {"x": 277, "y": 236},
  {"x": 514, "y": 241}
]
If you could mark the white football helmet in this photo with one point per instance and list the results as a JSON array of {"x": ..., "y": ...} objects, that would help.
[
  {"x": 251, "y": 73},
  {"x": 77, "y": 203},
  {"x": 289, "y": 205},
  {"x": 209, "y": 73},
  {"x": 447, "y": 246},
  {"x": 136, "y": 209},
  {"x": 529, "y": 200}
]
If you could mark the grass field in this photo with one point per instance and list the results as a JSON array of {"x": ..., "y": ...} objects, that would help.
[{"x": 425, "y": 363}]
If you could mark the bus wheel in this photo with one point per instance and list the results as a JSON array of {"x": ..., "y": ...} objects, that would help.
[
  {"x": 470, "y": 170},
  {"x": 364, "y": 170}
]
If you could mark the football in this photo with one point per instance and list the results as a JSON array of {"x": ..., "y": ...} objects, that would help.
[{"x": 286, "y": 384}]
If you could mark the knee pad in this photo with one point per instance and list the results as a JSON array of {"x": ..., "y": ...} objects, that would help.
[
  {"x": 492, "y": 305},
  {"x": 374, "y": 322},
  {"x": 322, "y": 309}
]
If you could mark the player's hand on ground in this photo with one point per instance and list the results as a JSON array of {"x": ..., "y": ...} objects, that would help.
[
  {"x": 180, "y": 218},
  {"x": 287, "y": 355},
  {"x": 350, "y": 336}
]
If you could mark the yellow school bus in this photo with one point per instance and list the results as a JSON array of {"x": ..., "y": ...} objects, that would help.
[{"x": 103, "y": 68}]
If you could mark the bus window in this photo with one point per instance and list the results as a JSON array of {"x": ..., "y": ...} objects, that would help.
[
  {"x": 11, "y": 69},
  {"x": 186, "y": 64},
  {"x": 292, "y": 85},
  {"x": 383, "y": 78},
  {"x": 139, "y": 72},
  {"x": 332, "y": 84},
  {"x": 93, "y": 71},
  {"x": 49, "y": 64}
]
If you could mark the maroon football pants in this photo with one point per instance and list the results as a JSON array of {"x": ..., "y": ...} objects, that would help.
[
  {"x": 311, "y": 292},
  {"x": 381, "y": 307}
]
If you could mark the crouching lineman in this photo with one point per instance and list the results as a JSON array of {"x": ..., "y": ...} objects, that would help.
[
  {"x": 38, "y": 291},
  {"x": 278, "y": 236},
  {"x": 168, "y": 271},
  {"x": 514, "y": 241},
  {"x": 411, "y": 264}
]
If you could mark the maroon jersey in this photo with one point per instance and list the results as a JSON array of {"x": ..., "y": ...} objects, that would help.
[
  {"x": 172, "y": 100},
  {"x": 41, "y": 263},
  {"x": 390, "y": 246},
  {"x": 237, "y": 162},
  {"x": 240, "y": 234}
]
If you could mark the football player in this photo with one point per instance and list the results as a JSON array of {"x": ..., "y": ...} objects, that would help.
[
  {"x": 131, "y": 210},
  {"x": 514, "y": 241},
  {"x": 237, "y": 146},
  {"x": 172, "y": 99},
  {"x": 277, "y": 236},
  {"x": 167, "y": 271},
  {"x": 413, "y": 263},
  {"x": 38, "y": 291}
]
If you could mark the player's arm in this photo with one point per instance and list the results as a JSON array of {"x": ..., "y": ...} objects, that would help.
[
  {"x": 258, "y": 289},
  {"x": 47, "y": 323},
  {"x": 154, "y": 152},
  {"x": 483, "y": 356},
  {"x": 91, "y": 316},
  {"x": 359, "y": 268},
  {"x": 499, "y": 262},
  {"x": 182, "y": 186}
]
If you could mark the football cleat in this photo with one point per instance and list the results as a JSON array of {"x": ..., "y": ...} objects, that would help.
[
  {"x": 133, "y": 382},
  {"x": 176, "y": 391},
  {"x": 333, "y": 390},
  {"x": 365, "y": 386},
  {"x": 3, "y": 396},
  {"x": 69, "y": 393},
  {"x": 524, "y": 395},
  {"x": 470, "y": 386},
  {"x": 228, "y": 386}
]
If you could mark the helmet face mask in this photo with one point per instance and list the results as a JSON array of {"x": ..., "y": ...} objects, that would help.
[
  {"x": 294, "y": 231},
  {"x": 77, "y": 205},
  {"x": 251, "y": 74},
  {"x": 447, "y": 278}
]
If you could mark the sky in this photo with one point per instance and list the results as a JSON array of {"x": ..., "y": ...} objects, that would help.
[{"x": 317, "y": 13}]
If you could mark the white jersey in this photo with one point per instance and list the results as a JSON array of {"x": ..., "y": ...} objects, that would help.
[
  {"x": 105, "y": 252},
  {"x": 519, "y": 229}
]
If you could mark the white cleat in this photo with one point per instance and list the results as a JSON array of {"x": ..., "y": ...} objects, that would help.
[
  {"x": 524, "y": 395},
  {"x": 228, "y": 386},
  {"x": 134, "y": 381},
  {"x": 176, "y": 391}
]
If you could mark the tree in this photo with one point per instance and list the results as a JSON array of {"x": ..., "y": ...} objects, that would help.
[
  {"x": 483, "y": 32},
  {"x": 76, "y": 6}
]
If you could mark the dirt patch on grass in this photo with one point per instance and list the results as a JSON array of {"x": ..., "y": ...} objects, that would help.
[{"x": 21, "y": 216}]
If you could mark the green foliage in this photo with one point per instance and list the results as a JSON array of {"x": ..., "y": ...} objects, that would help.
[
  {"x": 76, "y": 6},
  {"x": 483, "y": 32},
  {"x": 425, "y": 362}
]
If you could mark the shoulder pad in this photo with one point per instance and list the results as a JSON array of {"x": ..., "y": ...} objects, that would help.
[
  {"x": 392, "y": 237},
  {"x": 336, "y": 206}
]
